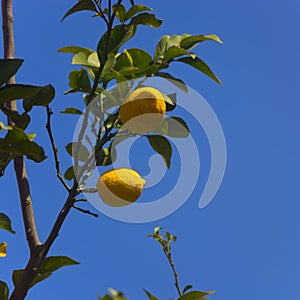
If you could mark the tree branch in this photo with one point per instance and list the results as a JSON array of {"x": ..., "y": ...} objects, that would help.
[
  {"x": 85, "y": 211},
  {"x": 55, "y": 149},
  {"x": 19, "y": 164}
]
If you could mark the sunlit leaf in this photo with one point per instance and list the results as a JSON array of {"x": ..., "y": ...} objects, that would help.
[
  {"x": 39, "y": 277},
  {"x": 3, "y": 250},
  {"x": 8, "y": 68},
  {"x": 75, "y": 50},
  {"x": 150, "y": 296},
  {"x": 5, "y": 223},
  {"x": 174, "y": 51},
  {"x": 191, "y": 41},
  {"x": 195, "y": 295},
  {"x": 53, "y": 263},
  {"x": 161, "y": 48},
  {"x": 79, "y": 80},
  {"x": 80, "y": 6}
]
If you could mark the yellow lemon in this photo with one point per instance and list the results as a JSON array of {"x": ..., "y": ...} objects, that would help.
[
  {"x": 143, "y": 110},
  {"x": 120, "y": 187}
]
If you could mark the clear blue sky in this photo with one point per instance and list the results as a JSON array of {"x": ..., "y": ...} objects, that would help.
[{"x": 245, "y": 244}]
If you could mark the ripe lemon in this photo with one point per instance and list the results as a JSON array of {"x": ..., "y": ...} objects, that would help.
[
  {"x": 143, "y": 110},
  {"x": 120, "y": 187}
]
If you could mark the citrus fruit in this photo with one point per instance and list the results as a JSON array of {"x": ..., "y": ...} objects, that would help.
[
  {"x": 143, "y": 110},
  {"x": 120, "y": 187}
]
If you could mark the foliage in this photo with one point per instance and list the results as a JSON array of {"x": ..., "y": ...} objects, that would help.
[{"x": 110, "y": 63}]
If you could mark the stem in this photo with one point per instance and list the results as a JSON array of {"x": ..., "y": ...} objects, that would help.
[
  {"x": 55, "y": 149},
  {"x": 170, "y": 259}
]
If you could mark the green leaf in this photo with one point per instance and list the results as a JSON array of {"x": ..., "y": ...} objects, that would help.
[
  {"x": 3, "y": 249},
  {"x": 160, "y": 49},
  {"x": 200, "y": 65},
  {"x": 120, "y": 12},
  {"x": 53, "y": 263},
  {"x": 3, "y": 291},
  {"x": 80, "y": 58},
  {"x": 43, "y": 97},
  {"x": 39, "y": 277},
  {"x": 21, "y": 121},
  {"x": 8, "y": 68},
  {"x": 71, "y": 111},
  {"x": 19, "y": 143},
  {"x": 75, "y": 50},
  {"x": 150, "y": 296},
  {"x": 80, "y": 6},
  {"x": 170, "y": 101},
  {"x": 105, "y": 156},
  {"x": 195, "y": 295},
  {"x": 5, "y": 223},
  {"x": 83, "y": 152},
  {"x": 162, "y": 146},
  {"x": 176, "y": 81},
  {"x": 119, "y": 35},
  {"x": 135, "y": 9},
  {"x": 69, "y": 174},
  {"x": 79, "y": 80},
  {"x": 191, "y": 41},
  {"x": 17, "y": 91},
  {"x": 108, "y": 65},
  {"x": 174, "y": 127},
  {"x": 146, "y": 19},
  {"x": 173, "y": 52},
  {"x": 188, "y": 287}
]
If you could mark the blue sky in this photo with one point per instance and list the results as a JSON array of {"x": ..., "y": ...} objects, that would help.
[{"x": 245, "y": 244}]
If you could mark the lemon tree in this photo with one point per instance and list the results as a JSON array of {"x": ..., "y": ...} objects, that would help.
[{"x": 141, "y": 110}]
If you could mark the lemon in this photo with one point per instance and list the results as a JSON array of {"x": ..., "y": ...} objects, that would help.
[
  {"x": 120, "y": 187},
  {"x": 143, "y": 110}
]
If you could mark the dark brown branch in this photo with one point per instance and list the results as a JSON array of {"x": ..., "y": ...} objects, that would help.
[
  {"x": 86, "y": 211},
  {"x": 55, "y": 149}
]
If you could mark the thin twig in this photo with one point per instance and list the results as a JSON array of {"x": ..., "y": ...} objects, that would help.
[
  {"x": 86, "y": 211},
  {"x": 98, "y": 5},
  {"x": 169, "y": 257},
  {"x": 54, "y": 148}
]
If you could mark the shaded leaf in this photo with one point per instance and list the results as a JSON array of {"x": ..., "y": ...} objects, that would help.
[
  {"x": 83, "y": 152},
  {"x": 71, "y": 111},
  {"x": 108, "y": 65},
  {"x": 191, "y": 41},
  {"x": 17, "y": 91},
  {"x": 135, "y": 9},
  {"x": 20, "y": 120},
  {"x": 3, "y": 250},
  {"x": 53, "y": 263},
  {"x": 5, "y": 223},
  {"x": 8, "y": 68},
  {"x": 170, "y": 101},
  {"x": 39, "y": 277},
  {"x": 79, "y": 80},
  {"x": 119, "y": 35},
  {"x": 69, "y": 174},
  {"x": 120, "y": 12},
  {"x": 162, "y": 146},
  {"x": 174, "y": 127},
  {"x": 176, "y": 81},
  {"x": 3, "y": 291},
  {"x": 146, "y": 19},
  {"x": 80, "y": 6},
  {"x": 173, "y": 52},
  {"x": 105, "y": 156},
  {"x": 188, "y": 287},
  {"x": 43, "y": 97},
  {"x": 200, "y": 65}
]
